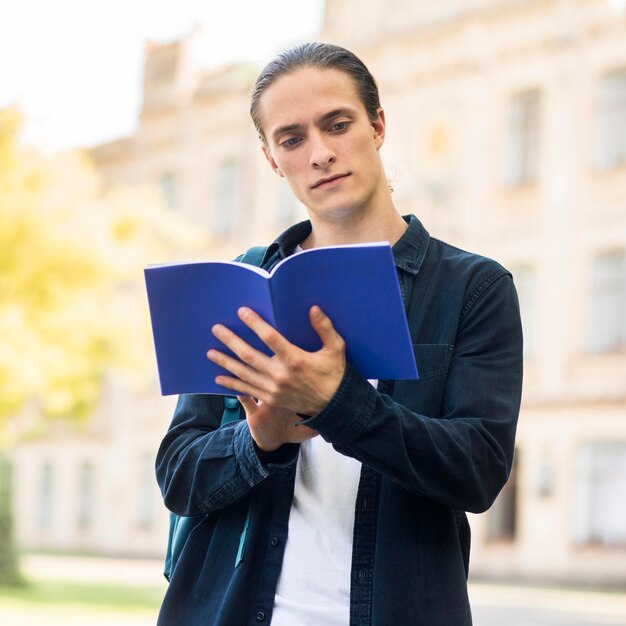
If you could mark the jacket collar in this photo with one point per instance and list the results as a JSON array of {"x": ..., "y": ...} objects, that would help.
[{"x": 408, "y": 252}]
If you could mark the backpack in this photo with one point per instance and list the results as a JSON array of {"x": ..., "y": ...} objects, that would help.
[{"x": 181, "y": 527}]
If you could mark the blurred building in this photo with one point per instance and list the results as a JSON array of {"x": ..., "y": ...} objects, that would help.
[{"x": 506, "y": 136}]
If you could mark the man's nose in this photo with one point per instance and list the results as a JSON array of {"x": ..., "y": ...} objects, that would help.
[{"x": 322, "y": 154}]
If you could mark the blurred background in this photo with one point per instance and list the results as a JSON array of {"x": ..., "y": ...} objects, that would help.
[{"x": 125, "y": 140}]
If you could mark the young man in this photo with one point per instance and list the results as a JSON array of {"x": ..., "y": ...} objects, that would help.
[{"x": 339, "y": 500}]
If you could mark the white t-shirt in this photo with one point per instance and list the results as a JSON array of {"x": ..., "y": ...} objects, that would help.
[{"x": 314, "y": 584}]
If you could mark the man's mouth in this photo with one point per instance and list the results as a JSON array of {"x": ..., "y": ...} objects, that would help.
[{"x": 322, "y": 182}]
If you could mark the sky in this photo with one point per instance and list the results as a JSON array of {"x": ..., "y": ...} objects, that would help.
[{"x": 74, "y": 67}]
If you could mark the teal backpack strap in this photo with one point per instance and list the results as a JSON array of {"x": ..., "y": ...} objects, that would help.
[
  {"x": 181, "y": 527},
  {"x": 253, "y": 256},
  {"x": 232, "y": 410},
  {"x": 261, "y": 256}
]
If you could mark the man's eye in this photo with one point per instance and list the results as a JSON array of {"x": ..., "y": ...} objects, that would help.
[
  {"x": 291, "y": 142},
  {"x": 339, "y": 126}
]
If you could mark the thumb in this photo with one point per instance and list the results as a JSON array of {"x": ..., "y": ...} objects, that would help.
[
  {"x": 324, "y": 328},
  {"x": 248, "y": 403}
]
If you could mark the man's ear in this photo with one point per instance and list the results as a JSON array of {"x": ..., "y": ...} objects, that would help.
[
  {"x": 378, "y": 128},
  {"x": 270, "y": 160}
]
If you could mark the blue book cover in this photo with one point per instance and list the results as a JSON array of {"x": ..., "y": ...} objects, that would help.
[{"x": 355, "y": 285}]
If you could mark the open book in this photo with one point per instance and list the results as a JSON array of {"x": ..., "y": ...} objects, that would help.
[{"x": 356, "y": 286}]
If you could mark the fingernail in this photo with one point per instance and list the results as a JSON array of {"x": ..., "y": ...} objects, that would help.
[{"x": 243, "y": 311}]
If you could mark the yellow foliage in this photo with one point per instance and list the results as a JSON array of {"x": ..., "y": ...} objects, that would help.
[{"x": 72, "y": 303}]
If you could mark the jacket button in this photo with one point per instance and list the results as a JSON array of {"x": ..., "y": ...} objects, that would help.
[
  {"x": 274, "y": 541},
  {"x": 260, "y": 616}
]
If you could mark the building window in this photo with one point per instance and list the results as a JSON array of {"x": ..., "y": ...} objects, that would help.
[
  {"x": 600, "y": 505},
  {"x": 86, "y": 482},
  {"x": 607, "y": 320},
  {"x": 228, "y": 199},
  {"x": 502, "y": 516},
  {"x": 524, "y": 277},
  {"x": 168, "y": 186},
  {"x": 146, "y": 491},
  {"x": 46, "y": 496},
  {"x": 522, "y": 151},
  {"x": 611, "y": 129}
]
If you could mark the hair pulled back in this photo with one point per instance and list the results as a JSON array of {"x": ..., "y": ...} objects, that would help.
[{"x": 320, "y": 56}]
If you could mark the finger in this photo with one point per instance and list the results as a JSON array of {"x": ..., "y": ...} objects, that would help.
[
  {"x": 235, "y": 367},
  {"x": 324, "y": 328},
  {"x": 266, "y": 333},
  {"x": 240, "y": 386},
  {"x": 238, "y": 346}
]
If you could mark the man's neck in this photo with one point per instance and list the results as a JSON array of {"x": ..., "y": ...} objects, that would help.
[{"x": 388, "y": 226}]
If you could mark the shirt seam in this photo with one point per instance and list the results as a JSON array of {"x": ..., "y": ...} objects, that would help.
[{"x": 489, "y": 280}]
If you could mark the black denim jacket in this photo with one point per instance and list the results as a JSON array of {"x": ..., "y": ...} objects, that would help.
[{"x": 431, "y": 449}]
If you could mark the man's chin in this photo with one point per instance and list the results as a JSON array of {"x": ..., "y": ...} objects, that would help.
[{"x": 339, "y": 213}]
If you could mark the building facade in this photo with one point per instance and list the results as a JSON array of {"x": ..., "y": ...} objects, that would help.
[{"x": 506, "y": 136}]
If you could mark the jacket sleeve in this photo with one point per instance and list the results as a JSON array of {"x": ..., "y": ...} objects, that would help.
[
  {"x": 202, "y": 467},
  {"x": 462, "y": 456}
]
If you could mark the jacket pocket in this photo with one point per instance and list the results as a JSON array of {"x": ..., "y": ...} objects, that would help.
[
  {"x": 432, "y": 359},
  {"x": 425, "y": 395}
]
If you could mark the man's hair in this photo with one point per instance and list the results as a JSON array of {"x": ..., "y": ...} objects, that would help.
[{"x": 320, "y": 56}]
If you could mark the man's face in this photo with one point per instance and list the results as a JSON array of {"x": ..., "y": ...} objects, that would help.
[{"x": 320, "y": 138}]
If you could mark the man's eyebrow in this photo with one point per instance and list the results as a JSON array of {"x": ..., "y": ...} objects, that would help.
[
  {"x": 289, "y": 128},
  {"x": 335, "y": 113}
]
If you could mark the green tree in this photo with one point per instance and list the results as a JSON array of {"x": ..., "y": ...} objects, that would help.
[
  {"x": 71, "y": 301},
  {"x": 9, "y": 571}
]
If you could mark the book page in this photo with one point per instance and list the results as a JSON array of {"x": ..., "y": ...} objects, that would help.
[
  {"x": 357, "y": 287},
  {"x": 186, "y": 300}
]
